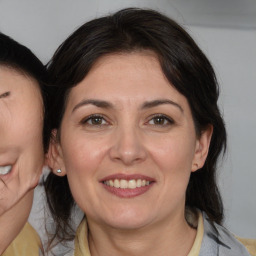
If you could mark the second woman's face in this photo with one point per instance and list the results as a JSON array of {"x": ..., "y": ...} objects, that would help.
[
  {"x": 128, "y": 143},
  {"x": 21, "y": 143}
]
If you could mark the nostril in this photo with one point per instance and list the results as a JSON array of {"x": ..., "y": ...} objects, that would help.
[{"x": 128, "y": 147}]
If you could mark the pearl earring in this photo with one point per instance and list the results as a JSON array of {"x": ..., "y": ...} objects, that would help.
[{"x": 58, "y": 171}]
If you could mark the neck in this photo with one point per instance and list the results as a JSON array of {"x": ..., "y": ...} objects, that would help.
[{"x": 174, "y": 237}]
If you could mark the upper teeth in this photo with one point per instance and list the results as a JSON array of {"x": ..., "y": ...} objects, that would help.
[
  {"x": 5, "y": 169},
  {"x": 126, "y": 183}
]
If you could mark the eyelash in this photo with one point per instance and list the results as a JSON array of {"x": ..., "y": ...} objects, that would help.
[
  {"x": 4, "y": 95},
  {"x": 162, "y": 117},
  {"x": 90, "y": 118}
]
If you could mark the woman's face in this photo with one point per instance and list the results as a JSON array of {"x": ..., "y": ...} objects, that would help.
[
  {"x": 21, "y": 123},
  {"x": 128, "y": 143}
]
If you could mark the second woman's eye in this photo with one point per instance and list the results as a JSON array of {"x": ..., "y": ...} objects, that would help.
[
  {"x": 4, "y": 95},
  {"x": 160, "y": 120},
  {"x": 94, "y": 120}
]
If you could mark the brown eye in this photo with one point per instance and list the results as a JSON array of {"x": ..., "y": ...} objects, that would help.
[
  {"x": 160, "y": 120},
  {"x": 96, "y": 120}
]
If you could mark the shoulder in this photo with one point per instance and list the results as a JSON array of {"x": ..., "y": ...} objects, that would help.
[
  {"x": 219, "y": 241},
  {"x": 26, "y": 243},
  {"x": 250, "y": 245}
]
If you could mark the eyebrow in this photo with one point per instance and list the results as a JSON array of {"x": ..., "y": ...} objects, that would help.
[
  {"x": 155, "y": 103},
  {"x": 106, "y": 104},
  {"x": 97, "y": 103}
]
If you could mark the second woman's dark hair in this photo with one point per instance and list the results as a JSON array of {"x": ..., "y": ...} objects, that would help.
[{"x": 184, "y": 65}]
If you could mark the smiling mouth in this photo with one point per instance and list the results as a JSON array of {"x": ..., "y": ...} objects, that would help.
[
  {"x": 5, "y": 169},
  {"x": 127, "y": 184}
]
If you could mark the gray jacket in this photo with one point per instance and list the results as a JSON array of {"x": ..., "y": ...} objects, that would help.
[{"x": 218, "y": 241}]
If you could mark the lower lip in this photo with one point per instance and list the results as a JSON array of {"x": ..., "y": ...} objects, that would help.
[{"x": 126, "y": 192}]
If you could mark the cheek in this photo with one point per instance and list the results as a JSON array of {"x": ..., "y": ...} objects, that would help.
[
  {"x": 82, "y": 159},
  {"x": 23, "y": 131},
  {"x": 32, "y": 127},
  {"x": 82, "y": 155},
  {"x": 173, "y": 153},
  {"x": 173, "y": 156}
]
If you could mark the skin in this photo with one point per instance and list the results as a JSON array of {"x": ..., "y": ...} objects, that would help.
[
  {"x": 132, "y": 135},
  {"x": 21, "y": 122}
]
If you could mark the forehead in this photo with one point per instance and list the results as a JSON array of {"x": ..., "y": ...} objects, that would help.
[
  {"x": 133, "y": 75},
  {"x": 19, "y": 94},
  {"x": 16, "y": 80}
]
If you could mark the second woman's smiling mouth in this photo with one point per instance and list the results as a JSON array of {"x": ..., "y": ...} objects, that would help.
[{"x": 5, "y": 169}]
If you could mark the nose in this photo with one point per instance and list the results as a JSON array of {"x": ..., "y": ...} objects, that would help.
[{"x": 128, "y": 147}]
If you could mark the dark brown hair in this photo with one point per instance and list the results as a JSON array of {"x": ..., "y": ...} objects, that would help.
[{"x": 184, "y": 65}]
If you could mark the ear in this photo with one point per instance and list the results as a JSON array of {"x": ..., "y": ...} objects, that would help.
[
  {"x": 202, "y": 148},
  {"x": 54, "y": 156}
]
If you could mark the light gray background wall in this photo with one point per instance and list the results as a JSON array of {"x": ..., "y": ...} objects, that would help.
[{"x": 225, "y": 30}]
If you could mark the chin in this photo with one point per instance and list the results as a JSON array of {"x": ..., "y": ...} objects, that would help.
[
  {"x": 127, "y": 225},
  {"x": 128, "y": 220}
]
